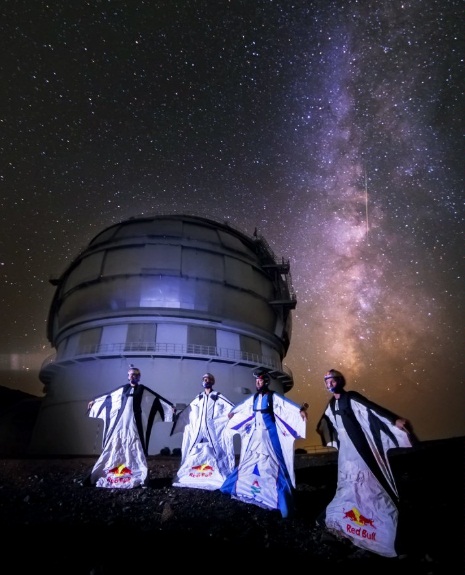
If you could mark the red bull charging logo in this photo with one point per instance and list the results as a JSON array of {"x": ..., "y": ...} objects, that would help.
[
  {"x": 119, "y": 475},
  {"x": 359, "y": 524},
  {"x": 204, "y": 470}
]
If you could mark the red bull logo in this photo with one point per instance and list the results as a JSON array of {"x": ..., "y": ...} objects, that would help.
[
  {"x": 204, "y": 470},
  {"x": 356, "y": 517},
  {"x": 120, "y": 470},
  {"x": 119, "y": 475}
]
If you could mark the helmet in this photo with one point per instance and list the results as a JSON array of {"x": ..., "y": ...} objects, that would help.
[
  {"x": 333, "y": 373},
  {"x": 263, "y": 374}
]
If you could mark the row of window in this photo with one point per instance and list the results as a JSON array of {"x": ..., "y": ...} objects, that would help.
[{"x": 177, "y": 340}]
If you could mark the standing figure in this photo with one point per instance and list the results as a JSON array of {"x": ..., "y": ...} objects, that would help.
[
  {"x": 365, "y": 506},
  {"x": 207, "y": 452},
  {"x": 128, "y": 413},
  {"x": 268, "y": 424}
]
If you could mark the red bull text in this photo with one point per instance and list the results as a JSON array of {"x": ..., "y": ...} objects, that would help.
[
  {"x": 354, "y": 516},
  {"x": 203, "y": 470}
]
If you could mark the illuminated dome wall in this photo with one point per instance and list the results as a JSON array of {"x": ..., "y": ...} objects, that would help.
[{"x": 174, "y": 295}]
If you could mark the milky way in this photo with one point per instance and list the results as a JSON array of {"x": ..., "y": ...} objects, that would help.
[{"x": 335, "y": 128}]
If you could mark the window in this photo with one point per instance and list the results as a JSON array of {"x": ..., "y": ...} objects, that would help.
[
  {"x": 89, "y": 341},
  {"x": 250, "y": 348},
  {"x": 201, "y": 340},
  {"x": 141, "y": 337}
]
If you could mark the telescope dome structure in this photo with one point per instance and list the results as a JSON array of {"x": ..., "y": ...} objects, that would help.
[{"x": 174, "y": 295}]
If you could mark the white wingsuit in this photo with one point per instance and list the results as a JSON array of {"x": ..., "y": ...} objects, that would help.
[
  {"x": 365, "y": 506},
  {"x": 128, "y": 413},
  {"x": 207, "y": 452}
]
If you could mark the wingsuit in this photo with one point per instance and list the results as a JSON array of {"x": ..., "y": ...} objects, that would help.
[
  {"x": 207, "y": 451},
  {"x": 268, "y": 424},
  {"x": 365, "y": 506},
  {"x": 128, "y": 415}
]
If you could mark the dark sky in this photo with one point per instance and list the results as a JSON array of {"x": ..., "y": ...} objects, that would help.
[{"x": 334, "y": 127}]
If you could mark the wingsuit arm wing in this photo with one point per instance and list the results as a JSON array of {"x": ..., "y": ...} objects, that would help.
[
  {"x": 180, "y": 420},
  {"x": 165, "y": 409}
]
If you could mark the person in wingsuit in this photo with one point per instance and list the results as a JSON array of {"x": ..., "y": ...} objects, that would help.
[
  {"x": 128, "y": 413},
  {"x": 207, "y": 451},
  {"x": 365, "y": 506},
  {"x": 268, "y": 424}
]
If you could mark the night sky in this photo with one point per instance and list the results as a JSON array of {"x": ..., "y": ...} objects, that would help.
[{"x": 333, "y": 127}]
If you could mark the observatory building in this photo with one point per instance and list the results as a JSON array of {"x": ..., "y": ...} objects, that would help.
[{"x": 175, "y": 295}]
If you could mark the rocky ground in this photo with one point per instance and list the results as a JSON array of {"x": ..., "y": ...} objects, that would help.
[{"x": 52, "y": 522}]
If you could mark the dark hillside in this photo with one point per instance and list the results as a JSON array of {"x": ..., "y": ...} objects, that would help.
[{"x": 71, "y": 528}]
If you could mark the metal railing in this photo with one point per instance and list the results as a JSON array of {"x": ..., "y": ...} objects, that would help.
[{"x": 154, "y": 349}]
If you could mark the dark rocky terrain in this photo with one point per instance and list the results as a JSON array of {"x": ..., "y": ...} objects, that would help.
[{"x": 53, "y": 523}]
